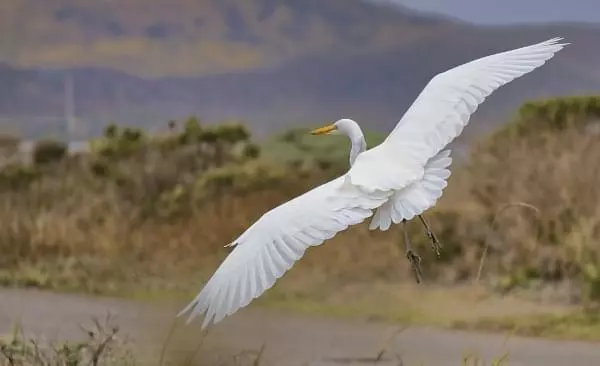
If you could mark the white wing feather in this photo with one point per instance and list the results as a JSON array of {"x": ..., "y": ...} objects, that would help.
[
  {"x": 417, "y": 197},
  {"x": 439, "y": 114},
  {"x": 269, "y": 248},
  {"x": 445, "y": 105}
]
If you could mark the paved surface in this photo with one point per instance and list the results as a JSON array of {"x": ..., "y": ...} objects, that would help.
[{"x": 290, "y": 339}]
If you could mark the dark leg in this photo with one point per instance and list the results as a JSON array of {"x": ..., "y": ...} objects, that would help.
[
  {"x": 412, "y": 256},
  {"x": 435, "y": 243}
]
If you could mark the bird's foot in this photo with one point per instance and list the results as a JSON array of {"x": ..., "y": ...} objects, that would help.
[
  {"x": 435, "y": 243},
  {"x": 415, "y": 262}
]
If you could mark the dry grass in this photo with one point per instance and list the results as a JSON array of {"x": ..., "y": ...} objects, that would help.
[
  {"x": 553, "y": 173},
  {"x": 581, "y": 325},
  {"x": 162, "y": 216},
  {"x": 102, "y": 346}
]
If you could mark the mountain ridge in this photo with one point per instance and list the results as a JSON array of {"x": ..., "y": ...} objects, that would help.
[{"x": 373, "y": 84}]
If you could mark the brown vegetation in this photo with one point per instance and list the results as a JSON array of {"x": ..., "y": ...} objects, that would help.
[
  {"x": 103, "y": 346},
  {"x": 547, "y": 162},
  {"x": 147, "y": 210}
]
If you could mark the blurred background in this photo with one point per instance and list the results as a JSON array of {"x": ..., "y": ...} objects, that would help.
[{"x": 137, "y": 137}]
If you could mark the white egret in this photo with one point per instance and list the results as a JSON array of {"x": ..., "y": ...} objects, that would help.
[{"x": 400, "y": 179}]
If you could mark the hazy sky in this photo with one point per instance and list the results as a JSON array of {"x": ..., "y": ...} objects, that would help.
[{"x": 510, "y": 11}]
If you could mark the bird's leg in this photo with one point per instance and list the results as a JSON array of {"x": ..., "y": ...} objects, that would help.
[
  {"x": 413, "y": 257},
  {"x": 435, "y": 243}
]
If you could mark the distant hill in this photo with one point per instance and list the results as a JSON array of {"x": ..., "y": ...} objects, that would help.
[
  {"x": 275, "y": 64},
  {"x": 200, "y": 37}
]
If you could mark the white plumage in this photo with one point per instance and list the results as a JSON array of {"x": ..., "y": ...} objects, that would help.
[
  {"x": 417, "y": 197},
  {"x": 399, "y": 179}
]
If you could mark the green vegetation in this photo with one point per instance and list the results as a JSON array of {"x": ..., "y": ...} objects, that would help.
[
  {"x": 556, "y": 114},
  {"x": 541, "y": 116},
  {"x": 297, "y": 147},
  {"x": 543, "y": 160},
  {"x": 151, "y": 212},
  {"x": 584, "y": 325},
  {"x": 48, "y": 151},
  {"x": 76, "y": 219},
  {"x": 102, "y": 346}
]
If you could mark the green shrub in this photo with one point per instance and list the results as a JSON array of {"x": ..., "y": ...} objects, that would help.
[
  {"x": 251, "y": 151},
  {"x": 111, "y": 131},
  {"x": 49, "y": 151},
  {"x": 102, "y": 346},
  {"x": 16, "y": 176},
  {"x": 555, "y": 115}
]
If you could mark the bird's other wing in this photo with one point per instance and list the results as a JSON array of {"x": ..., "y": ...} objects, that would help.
[
  {"x": 267, "y": 249},
  {"x": 439, "y": 114},
  {"x": 444, "y": 107}
]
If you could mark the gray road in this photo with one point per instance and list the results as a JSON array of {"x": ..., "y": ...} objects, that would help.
[{"x": 290, "y": 339}]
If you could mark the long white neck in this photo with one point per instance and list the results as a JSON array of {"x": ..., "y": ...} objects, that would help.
[
  {"x": 357, "y": 139},
  {"x": 350, "y": 128},
  {"x": 359, "y": 145}
]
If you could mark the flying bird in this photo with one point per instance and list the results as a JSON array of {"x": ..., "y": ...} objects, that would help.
[{"x": 399, "y": 179}]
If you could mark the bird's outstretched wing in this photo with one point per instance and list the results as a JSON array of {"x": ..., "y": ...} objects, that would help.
[
  {"x": 444, "y": 107},
  {"x": 436, "y": 117},
  {"x": 267, "y": 249}
]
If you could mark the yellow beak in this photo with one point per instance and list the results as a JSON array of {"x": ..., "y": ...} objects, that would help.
[{"x": 324, "y": 130}]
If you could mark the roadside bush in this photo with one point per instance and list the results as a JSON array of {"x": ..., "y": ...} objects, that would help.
[{"x": 49, "y": 151}]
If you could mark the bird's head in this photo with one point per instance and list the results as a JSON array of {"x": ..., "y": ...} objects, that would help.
[{"x": 343, "y": 126}]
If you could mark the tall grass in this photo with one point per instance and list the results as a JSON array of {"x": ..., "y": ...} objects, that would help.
[
  {"x": 553, "y": 172},
  {"x": 102, "y": 345},
  {"x": 152, "y": 209}
]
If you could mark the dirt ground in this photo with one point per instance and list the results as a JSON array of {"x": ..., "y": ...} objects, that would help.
[{"x": 288, "y": 339}]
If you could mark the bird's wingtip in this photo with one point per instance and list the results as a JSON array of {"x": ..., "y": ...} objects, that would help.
[
  {"x": 188, "y": 307},
  {"x": 206, "y": 322},
  {"x": 185, "y": 310},
  {"x": 557, "y": 41},
  {"x": 189, "y": 319}
]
